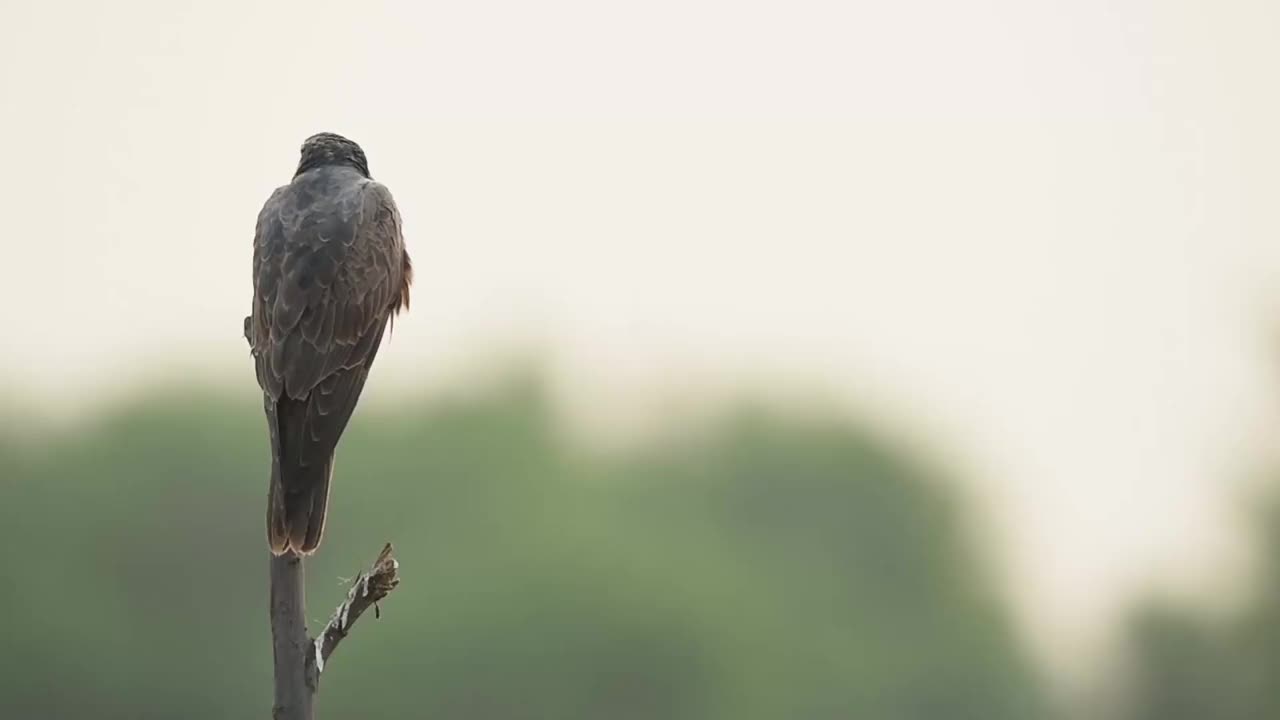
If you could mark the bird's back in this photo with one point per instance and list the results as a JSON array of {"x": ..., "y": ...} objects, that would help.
[
  {"x": 327, "y": 247},
  {"x": 315, "y": 213},
  {"x": 329, "y": 271}
]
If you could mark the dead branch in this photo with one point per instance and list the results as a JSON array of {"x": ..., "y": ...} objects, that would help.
[
  {"x": 366, "y": 591},
  {"x": 299, "y": 660},
  {"x": 290, "y": 643}
]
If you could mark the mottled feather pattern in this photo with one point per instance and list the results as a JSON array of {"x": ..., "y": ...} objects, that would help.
[
  {"x": 329, "y": 263},
  {"x": 330, "y": 271}
]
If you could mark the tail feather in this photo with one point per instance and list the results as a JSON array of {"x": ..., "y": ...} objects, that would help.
[
  {"x": 277, "y": 528},
  {"x": 308, "y": 509},
  {"x": 296, "y": 514},
  {"x": 299, "y": 493}
]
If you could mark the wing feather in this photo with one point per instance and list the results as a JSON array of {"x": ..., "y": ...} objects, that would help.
[
  {"x": 327, "y": 275},
  {"x": 329, "y": 272}
]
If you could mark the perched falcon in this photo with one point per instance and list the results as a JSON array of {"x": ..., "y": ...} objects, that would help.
[{"x": 330, "y": 272}]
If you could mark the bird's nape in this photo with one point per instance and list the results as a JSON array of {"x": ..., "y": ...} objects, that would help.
[{"x": 328, "y": 148}]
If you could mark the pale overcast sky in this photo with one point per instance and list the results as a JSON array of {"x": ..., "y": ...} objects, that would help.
[{"x": 1041, "y": 233}]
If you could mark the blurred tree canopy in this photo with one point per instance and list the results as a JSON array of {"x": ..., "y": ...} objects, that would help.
[
  {"x": 1187, "y": 665},
  {"x": 760, "y": 566}
]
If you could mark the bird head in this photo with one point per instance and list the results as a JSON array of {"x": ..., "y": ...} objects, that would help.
[{"x": 327, "y": 148}]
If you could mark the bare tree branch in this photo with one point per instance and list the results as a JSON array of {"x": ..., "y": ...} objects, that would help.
[
  {"x": 367, "y": 590},
  {"x": 290, "y": 643},
  {"x": 299, "y": 660}
]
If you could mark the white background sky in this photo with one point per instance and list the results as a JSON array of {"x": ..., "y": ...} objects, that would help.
[{"x": 1043, "y": 233}]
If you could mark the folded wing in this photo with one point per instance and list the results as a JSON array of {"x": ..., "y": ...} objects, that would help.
[{"x": 330, "y": 271}]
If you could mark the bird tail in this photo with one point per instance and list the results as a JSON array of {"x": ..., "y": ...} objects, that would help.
[{"x": 297, "y": 507}]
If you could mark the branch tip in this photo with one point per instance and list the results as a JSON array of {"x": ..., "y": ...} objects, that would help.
[{"x": 367, "y": 589}]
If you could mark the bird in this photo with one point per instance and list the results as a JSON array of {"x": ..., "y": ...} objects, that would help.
[{"x": 330, "y": 273}]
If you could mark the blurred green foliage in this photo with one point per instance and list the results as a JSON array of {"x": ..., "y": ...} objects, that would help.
[
  {"x": 1189, "y": 665},
  {"x": 760, "y": 566}
]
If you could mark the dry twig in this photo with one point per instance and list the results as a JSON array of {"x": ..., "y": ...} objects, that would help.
[{"x": 299, "y": 660}]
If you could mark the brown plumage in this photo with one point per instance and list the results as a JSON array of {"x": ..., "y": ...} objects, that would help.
[{"x": 329, "y": 273}]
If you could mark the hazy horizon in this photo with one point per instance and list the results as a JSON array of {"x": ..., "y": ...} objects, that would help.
[{"x": 1038, "y": 236}]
